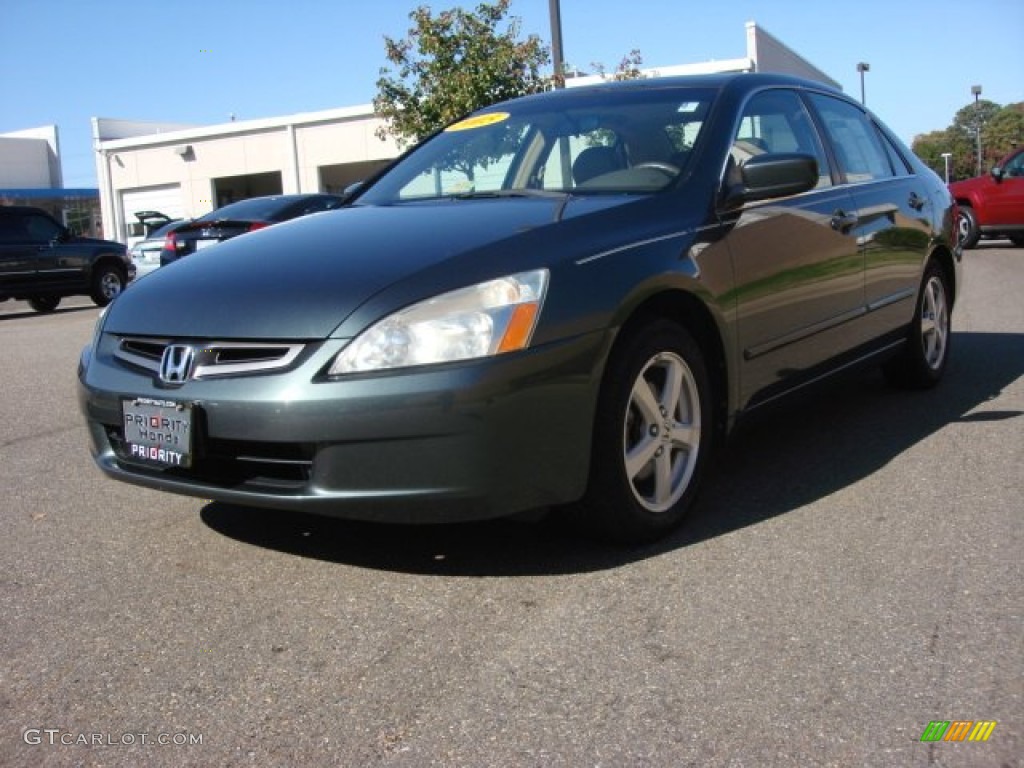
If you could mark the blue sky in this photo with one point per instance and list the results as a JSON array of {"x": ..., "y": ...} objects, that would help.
[{"x": 66, "y": 61}]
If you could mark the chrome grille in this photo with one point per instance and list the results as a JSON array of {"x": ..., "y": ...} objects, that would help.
[{"x": 213, "y": 358}]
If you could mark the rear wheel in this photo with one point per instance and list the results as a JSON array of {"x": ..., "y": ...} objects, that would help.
[
  {"x": 44, "y": 303},
  {"x": 107, "y": 284},
  {"x": 652, "y": 436},
  {"x": 967, "y": 230},
  {"x": 923, "y": 360}
]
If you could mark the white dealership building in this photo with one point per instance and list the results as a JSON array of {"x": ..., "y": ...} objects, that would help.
[{"x": 188, "y": 170}]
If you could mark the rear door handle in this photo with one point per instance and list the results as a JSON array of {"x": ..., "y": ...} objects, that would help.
[{"x": 843, "y": 221}]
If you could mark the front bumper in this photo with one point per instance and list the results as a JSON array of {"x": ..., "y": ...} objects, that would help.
[{"x": 463, "y": 441}]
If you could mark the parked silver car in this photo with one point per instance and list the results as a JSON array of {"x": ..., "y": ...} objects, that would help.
[{"x": 145, "y": 254}]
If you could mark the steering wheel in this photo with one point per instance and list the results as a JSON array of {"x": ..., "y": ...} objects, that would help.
[{"x": 666, "y": 168}]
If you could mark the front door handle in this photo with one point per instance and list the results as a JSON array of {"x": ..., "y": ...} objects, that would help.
[{"x": 843, "y": 221}]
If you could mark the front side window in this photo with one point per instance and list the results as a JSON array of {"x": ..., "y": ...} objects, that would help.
[
  {"x": 41, "y": 229},
  {"x": 776, "y": 121},
  {"x": 858, "y": 147},
  {"x": 1016, "y": 166}
]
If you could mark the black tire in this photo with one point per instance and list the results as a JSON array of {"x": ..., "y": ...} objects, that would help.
[
  {"x": 967, "y": 230},
  {"x": 668, "y": 429},
  {"x": 925, "y": 355},
  {"x": 1017, "y": 240},
  {"x": 107, "y": 283},
  {"x": 44, "y": 303}
]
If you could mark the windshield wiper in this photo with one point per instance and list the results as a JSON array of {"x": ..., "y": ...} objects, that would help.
[
  {"x": 549, "y": 194},
  {"x": 505, "y": 193}
]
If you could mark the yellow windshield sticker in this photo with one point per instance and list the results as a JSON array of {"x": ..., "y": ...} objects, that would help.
[{"x": 478, "y": 121}]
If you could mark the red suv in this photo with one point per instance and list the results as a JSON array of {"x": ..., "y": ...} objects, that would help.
[{"x": 992, "y": 205}]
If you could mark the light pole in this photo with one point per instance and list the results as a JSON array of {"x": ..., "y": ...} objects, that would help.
[
  {"x": 946, "y": 156},
  {"x": 976, "y": 91},
  {"x": 862, "y": 67},
  {"x": 555, "y": 10}
]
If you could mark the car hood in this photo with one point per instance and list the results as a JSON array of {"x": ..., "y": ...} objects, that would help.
[
  {"x": 974, "y": 184},
  {"x": 303, "y": 278},
  {"x": 95, "y": 241}
]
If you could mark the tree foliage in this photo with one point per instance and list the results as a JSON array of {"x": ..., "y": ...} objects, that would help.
[
  {"x": 629, "y": 68},
  {"x": 456, "y": 62},
  {"x": 1002, "y": 129},
  {"x": 453, "y": 63}
]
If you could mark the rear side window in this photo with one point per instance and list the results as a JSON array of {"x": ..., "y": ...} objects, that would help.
[
  {"x": 899, "y": 165},
  {"x": 860, "y": 153},
  {"x": 12, "y": 230}
]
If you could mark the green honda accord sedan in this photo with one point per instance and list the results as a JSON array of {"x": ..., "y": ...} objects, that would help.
[{"x": 565, "y": 300}]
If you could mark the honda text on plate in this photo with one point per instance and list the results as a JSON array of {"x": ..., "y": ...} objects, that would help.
[{"x": 564, "y": 301}]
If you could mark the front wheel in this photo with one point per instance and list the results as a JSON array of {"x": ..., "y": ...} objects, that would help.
[
  {"x": 923, "y": 360},
  {"x": 107, "y": 284},
  {"x": 652, "y": 436}
]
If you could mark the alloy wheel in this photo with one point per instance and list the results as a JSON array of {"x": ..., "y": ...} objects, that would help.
[
  {"x": 661, "y": 437},
  {"x": 934, "y": 323}
]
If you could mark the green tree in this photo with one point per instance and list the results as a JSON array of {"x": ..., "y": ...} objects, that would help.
[
  {"x": 1004, "y": 131},
  {"x": 454, "y": 63},
  {"x": 931, "y": 146}
]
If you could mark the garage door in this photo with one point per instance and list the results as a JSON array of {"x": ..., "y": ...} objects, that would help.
[{"x": 165, "y": 199}]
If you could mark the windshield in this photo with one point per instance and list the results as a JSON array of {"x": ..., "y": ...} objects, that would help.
[{"x": 598, "y": 141}]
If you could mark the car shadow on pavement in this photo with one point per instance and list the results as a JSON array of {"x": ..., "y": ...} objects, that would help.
[
  {"x": 791, "y": 455},
  {"x": 17, "y": 314}
]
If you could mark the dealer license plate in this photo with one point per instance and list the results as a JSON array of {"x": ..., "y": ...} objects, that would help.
[{"x": 158, "y": 431}]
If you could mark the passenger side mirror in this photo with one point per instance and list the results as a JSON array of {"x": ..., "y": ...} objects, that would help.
[
  {"x": 351, "y": 190},
  {"x": 771, "y": 175}
]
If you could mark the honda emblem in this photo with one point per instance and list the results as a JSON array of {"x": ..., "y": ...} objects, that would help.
[{"x": 177, "y": 364}]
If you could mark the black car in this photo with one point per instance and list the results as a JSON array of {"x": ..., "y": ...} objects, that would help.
[
  {"x": 564, "y": 300},
  {"x": 238, "y": 218},
  {"x": 41, "y": 261}
]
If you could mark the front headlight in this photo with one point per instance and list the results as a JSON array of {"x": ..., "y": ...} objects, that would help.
[
  {"x": 89, "y": 351},
  {"x": 485, "y": 319}
]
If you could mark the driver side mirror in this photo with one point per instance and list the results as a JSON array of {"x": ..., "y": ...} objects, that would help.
[
  {"x": 997, "y": 173},
  {"x": 771, "y": 175}
]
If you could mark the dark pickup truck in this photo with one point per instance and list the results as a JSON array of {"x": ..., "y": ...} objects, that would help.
[{"x": 41, "y": 261}]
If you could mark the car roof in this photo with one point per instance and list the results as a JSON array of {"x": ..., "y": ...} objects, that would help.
[
  {"x": 719, "y": 81},
  {"x": 12, "y": 209}
]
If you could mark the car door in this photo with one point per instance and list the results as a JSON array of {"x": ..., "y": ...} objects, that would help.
[
  {"x": 1006, "y": 195},
  {"x": 893, "y": 210},
  {"x": 799, "y": 278},
  {"x": 60, "y": 263},
  {"x": 17, "y": 266}
]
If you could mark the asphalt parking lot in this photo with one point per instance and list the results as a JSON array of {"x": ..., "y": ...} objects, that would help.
[{"x": 852, "y": 573}]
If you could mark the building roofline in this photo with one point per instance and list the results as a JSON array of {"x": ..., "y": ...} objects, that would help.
[{"x": 234, "y": 127}]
